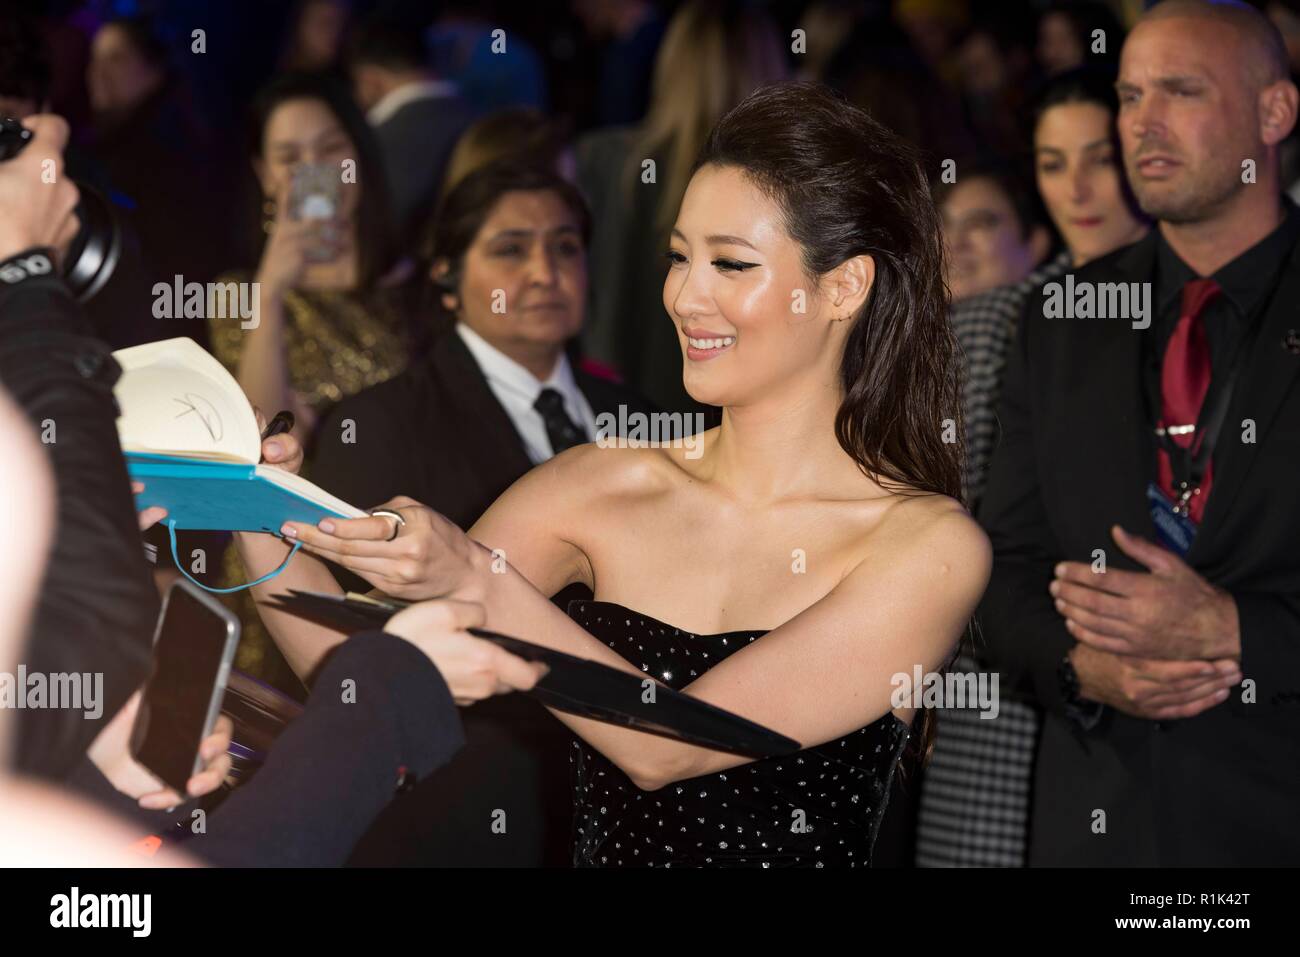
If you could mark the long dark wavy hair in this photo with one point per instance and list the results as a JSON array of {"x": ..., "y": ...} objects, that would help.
[
  {"x": 849, "y": 187},
  {"x": 374, "y": 226}
]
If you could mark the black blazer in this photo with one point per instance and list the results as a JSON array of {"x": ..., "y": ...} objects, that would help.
[
  {"x": 1075, "y": 457},
  {"x": 438, "y": 434}
]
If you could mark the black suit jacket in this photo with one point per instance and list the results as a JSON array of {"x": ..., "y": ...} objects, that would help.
[
  {"x": 1075, "y": 457},
  {"x": 438, "y": 434}
]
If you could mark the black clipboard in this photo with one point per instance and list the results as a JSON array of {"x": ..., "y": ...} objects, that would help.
[{"x": 574, "y": 685}]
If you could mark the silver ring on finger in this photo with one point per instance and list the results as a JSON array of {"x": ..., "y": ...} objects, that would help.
[{"x": 398, "y": 521}]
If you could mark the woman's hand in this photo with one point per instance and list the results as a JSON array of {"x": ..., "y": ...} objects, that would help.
[
  {"x": 111, "y": 753},
  {"x": 474, "y": 669},
  {"x": 292, "y": 245},
  {"x": 430, "y": 557},
  {"x": 283, "y": 450}
]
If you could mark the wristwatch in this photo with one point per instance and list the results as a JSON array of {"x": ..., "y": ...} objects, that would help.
[
  {"x": 1068, "y": 679},
  {"x": 1079, "y": 710}
]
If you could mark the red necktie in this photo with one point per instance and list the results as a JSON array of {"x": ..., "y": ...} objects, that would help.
[{"x": 1184, "y": 380}]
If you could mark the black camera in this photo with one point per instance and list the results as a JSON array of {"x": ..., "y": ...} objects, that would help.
[{"x": 92, "y": 256}]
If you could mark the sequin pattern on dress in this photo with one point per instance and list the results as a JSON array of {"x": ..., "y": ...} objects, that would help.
[{"x": 820, "y": 807}]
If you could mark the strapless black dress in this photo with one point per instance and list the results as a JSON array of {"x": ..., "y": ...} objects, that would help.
[{"x": 820, "y": 807}]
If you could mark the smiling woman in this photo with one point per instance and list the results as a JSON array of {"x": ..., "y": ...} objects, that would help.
[{"x": 812, "y": 549}]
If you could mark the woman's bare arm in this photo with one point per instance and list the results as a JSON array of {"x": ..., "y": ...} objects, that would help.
[
  {"x": 828, "y": 671},
  {"x": 304, "y": 644},
  {"x": 823, "y": 674}
]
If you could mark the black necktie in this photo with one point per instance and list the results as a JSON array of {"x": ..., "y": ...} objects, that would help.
[{"x": 561, "y": 430}]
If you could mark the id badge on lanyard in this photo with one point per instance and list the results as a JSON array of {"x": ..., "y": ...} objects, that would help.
[{"x": 1174, "y": 530}]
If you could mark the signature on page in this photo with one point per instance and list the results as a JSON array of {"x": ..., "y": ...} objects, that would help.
[{"x": 194, "y": 404}]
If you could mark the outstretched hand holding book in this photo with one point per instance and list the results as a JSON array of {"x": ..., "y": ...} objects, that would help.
[{"x": 473, "y": 668}]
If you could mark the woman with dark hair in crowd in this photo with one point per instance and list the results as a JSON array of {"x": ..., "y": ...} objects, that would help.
[
  {"x": 975, "y": 796},
  {"x": 1077, "y": 164},
  {"x": 506, "y": 265},
  {"x": 798, "y": 565},
  {"x": 994, "y": 225},
  {"x": 1082, "y": 191},
  {"x": 328, "y": 326}
]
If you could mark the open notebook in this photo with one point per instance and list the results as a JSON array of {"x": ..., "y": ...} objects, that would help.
[{"x": 190, "y": 435}]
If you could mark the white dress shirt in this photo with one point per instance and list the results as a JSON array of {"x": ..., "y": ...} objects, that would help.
[
  {"x": 394, "y": 100},
  {"x": 517, "y": 389}
]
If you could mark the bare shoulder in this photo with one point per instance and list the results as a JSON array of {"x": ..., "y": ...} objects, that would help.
[
  {"x": 926, "y": 535},
  {"x": 550, "y": 519}
]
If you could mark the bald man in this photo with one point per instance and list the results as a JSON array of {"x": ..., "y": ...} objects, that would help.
[{"x": 1142, "y": 503}]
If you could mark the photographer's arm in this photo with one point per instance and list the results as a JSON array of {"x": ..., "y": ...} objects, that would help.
[{"x": 97, "y": 605}]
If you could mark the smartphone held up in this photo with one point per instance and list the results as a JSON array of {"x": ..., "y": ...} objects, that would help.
[
  {"x": 315, "y": 194},
  {"x": 192, "y": 653}
]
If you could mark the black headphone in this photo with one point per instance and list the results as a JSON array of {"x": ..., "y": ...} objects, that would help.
[
  {"x": 450, "y": 282},
  {"x": 446, "y": 285}
]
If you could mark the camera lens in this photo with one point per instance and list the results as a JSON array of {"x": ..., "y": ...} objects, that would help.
[{"x": 94, "y": 252}]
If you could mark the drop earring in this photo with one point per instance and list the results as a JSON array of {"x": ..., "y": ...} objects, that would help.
[{"x": 268, "y": 215}]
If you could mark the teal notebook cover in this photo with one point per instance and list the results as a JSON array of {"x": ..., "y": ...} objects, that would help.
[{"x": 222, "y": 496}]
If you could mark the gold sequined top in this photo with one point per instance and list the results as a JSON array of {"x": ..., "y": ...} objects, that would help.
[{"x": 336, "y": 343}]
